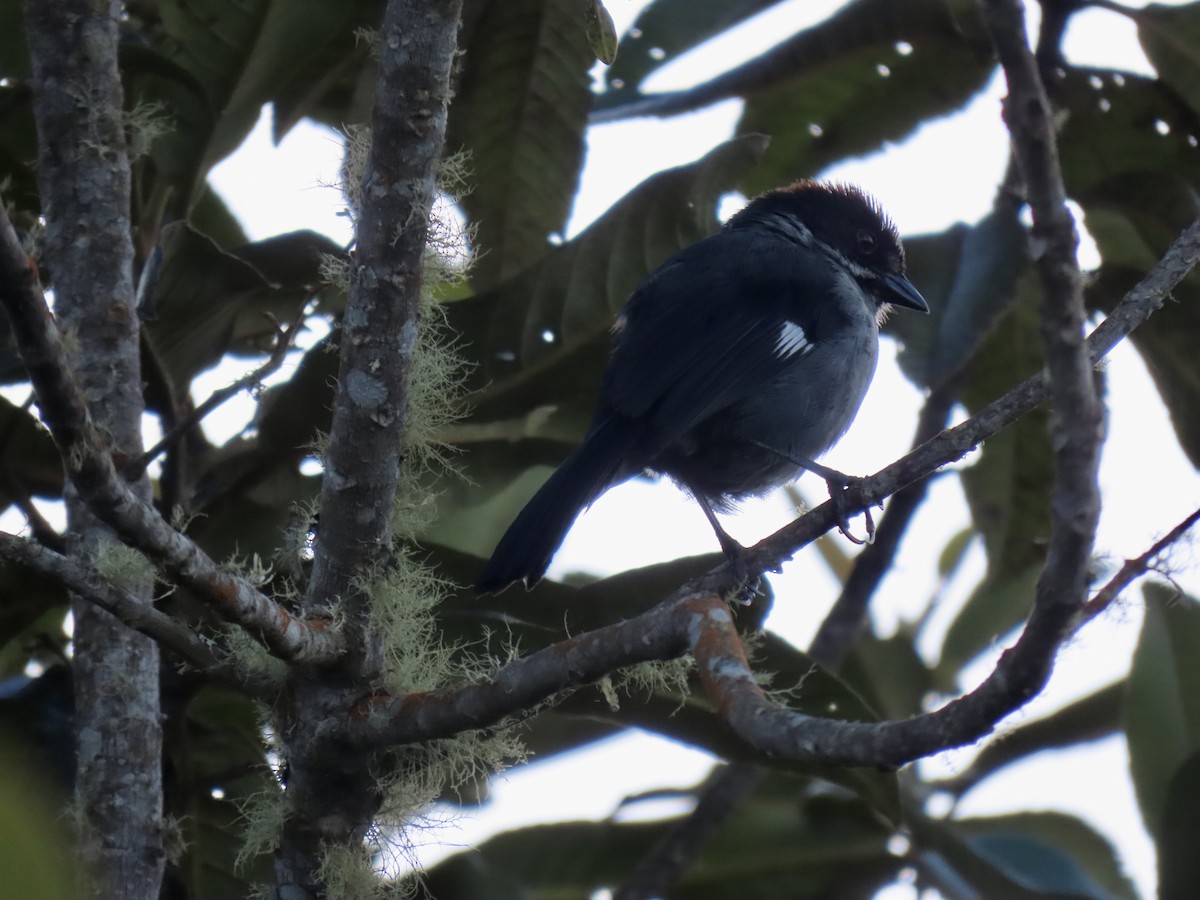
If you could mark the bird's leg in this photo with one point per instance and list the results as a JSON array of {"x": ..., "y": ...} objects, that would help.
[
  {"x": 734, "y": 552},
  {"x": 731, "y": 548},
  {"x": 837, "y": 483}
]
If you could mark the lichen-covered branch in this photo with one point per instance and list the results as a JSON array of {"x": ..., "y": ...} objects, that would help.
[
  {"x": 379, "y": 330},
  {"x": 332, "y": 799},
  {"x": 88, "y": 459},
  {"x": 87, "y": 584}
]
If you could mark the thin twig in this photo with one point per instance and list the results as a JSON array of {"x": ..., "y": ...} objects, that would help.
[
  {"x": 43, "y": 532},
  {"x": 1132, "y": 570},
  {"x": 283, "y": 343}
]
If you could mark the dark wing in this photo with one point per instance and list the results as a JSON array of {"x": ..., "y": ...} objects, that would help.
[{"x": 701, "y": 334}]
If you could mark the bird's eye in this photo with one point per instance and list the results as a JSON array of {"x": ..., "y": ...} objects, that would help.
[{"x": 866, "y": 242}]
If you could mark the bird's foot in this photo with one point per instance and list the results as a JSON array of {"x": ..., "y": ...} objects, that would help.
[{"x": 838, "y": 485}]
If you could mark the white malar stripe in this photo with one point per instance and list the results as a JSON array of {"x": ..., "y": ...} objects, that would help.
[{"x": 792, "y": 341}]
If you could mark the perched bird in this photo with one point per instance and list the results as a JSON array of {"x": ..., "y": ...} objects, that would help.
[{"x": 734, "y": 365}]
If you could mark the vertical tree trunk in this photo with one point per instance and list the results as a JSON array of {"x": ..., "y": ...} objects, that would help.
[
  {"x": 333, "y": 792},
  {"x": 83, "y": 173}
]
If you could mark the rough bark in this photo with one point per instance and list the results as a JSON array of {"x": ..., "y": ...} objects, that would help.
[
  {"x": 333, "y": 796},
  {"x": 83, "y": 174}
]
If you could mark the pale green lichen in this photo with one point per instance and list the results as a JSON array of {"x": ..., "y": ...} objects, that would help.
[
  {"x": 403, "y": 594},
  {"x": 123, "y": 566},
  {"x": 263, "y": 814},
  {"x": 251, "y": 657},
  {"x": 145, "y": 123}
]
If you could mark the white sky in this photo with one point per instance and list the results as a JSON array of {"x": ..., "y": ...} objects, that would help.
[{"x": 926, "y": 186}]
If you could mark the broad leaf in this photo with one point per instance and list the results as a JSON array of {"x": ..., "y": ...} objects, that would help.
[
  {"x": 207, "y": 301},
  {"x": 1134, "y": 218},
  {"x": 1162, "y": 703},
  {"x": 1116, "y": 123},
  {"x": 1043, "y": 854},
  {"x": 520, "y": 112},
  {"x": 214, "y": 63},
  {"x": 789, "y": 839},
  {"x": 872, "y": 73},
  {"x": 1179, "y": 833},
  {"x": 969, "y": 275},
  {"x": 1008, "y": 490},
  {"x": 1170, "y": 35},
  {"x": 663, "y": 31}
]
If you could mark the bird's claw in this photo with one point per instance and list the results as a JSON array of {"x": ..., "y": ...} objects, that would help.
[{"x": 837, "y": 493}]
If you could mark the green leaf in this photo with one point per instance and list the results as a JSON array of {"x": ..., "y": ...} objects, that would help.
[
  {"x": 207, "y": 301},
  {"x": 337, "y": 86},
  {"x": 1007, "y": 488},
  {"x": 994, "y": 608},
  {"x": 889, "y": 674},
  {"x": 823, "y": 96},
  {"x": 601, "y": 33},
  {"x": 789, "y": 839},
  {"x": 230, "y": 57},
  {"x": 520, "y": 112},
  {"x": 953, "y": 554},
  {"x": 30, "y": 458},
  {"x": 218, "y": 747},
  {"x": 1109, "y": 129},
  {"x": 665, "y": 30},
  {"x": 35, "y": 847},
  {"x": 1179, "y": 833},
  {"x": 1095, "y": 716},
  {"x": 14, "y": 56},
  {"x": 1162, "y": 703},
  {"x": 196, "y": 299},
  {"x": 1133, "y": 219},
  {"x": 1170, "y": 35},
  {"x": 1045, "y": 854},
  {"x": 969, "y": 276}
]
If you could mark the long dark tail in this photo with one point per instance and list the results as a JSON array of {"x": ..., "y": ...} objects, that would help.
[{"x": 525, "y": 551}]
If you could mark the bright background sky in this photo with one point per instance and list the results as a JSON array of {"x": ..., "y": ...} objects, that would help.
[{"x": 946, "y": 172}]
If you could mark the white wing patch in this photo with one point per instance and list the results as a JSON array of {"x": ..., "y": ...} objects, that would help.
[{"x": 792, "y": 341}]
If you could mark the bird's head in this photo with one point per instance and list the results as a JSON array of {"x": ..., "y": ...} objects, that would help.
[{"x": 843, "y": 223}]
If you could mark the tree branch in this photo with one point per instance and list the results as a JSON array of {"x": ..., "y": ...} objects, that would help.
[
  {"x": 677, "y": 850},
  {"x": 90, "y": 468},
  {"x": 332, "y": 800},
  {"x": 88, "y": 584},
  {"x": 283, "y": 343},
  {"x": 1077, "y": 426},
  {"x": 379, "y": 330},
  {"x": 84, "y": 190},
  {"x": 702, "y": 624},
  {"x": 840, "y": 627},
  {"x": 1132, "y": 570}
]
